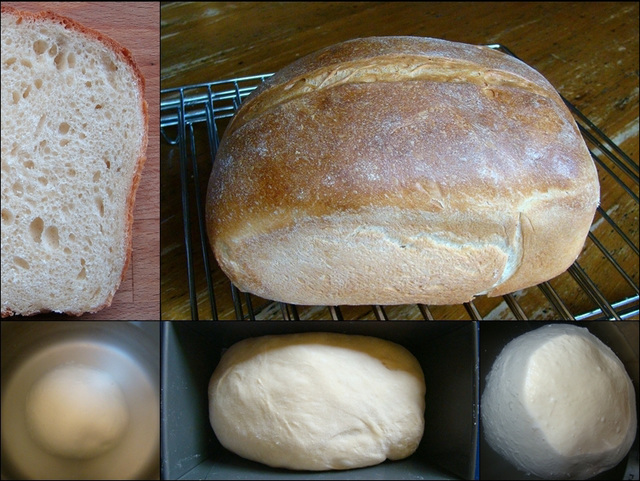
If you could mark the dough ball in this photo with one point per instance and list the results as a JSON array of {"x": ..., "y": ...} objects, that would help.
[
  {"x": 318, "y": 401},
  {"x": 76, "y": 412},
  {"x": 558, "y": 403}
]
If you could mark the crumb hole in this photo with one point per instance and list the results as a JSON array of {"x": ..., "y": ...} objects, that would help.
[
  {"x": 100, "y": 205},
  {"x": 82, "y": 274},
  {"x": 38, "y": 83},
  {"x": 41, "y": 123},
  {"x": 26, "y": 63},
  {"x": 63, "y": 128},
  {"x": 43, "y": 180},
  {"x": 53, "y": 51},
  {"x": 112, "y": 67},
  {"x": 51, "y": 237},
  {"x": 17, "y": 189},
  {"x": 71, "y": 60},
  {"x": 26, "y": 92},
  {"x": 10, "y": 61},
  {"x": 59, "y": 60},
  {"x": 20, "y": 262},
  {"x": 40, "y": 47},
  {"x": 7, "y": 216},
  {"x": 96, "y": 176},
  {"x": 15, "y": 97},
  {"x": 35, "y": 229},
  {"x": 28, "y": 164}
]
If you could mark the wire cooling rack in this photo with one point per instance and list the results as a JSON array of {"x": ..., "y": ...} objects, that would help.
[{"x": 192, "y": 121}]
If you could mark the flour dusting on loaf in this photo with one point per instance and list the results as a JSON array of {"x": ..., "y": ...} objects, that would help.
[{"x": 391, "y": 170}]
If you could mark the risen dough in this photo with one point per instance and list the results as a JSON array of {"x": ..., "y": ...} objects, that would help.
[
  {"x": 558, "y": 403},
  {"x": 76, "y": 412},
  {"x": 318, "y": 401}
]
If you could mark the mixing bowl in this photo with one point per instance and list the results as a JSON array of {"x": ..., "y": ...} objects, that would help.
[{"x": 126, "y": 353}]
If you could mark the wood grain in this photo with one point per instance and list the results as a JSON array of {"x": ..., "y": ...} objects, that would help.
[
  {"x": 135, "y": 25},
  {"x": 588, "y": 51}
]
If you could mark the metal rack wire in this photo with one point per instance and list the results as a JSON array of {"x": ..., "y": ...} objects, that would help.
[{"x": 209, "y": 104}]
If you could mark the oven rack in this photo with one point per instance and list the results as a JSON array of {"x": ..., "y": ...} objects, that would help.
[{"x": 192, "y": 120}]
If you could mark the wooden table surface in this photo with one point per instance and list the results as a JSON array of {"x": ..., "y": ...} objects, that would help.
[
  {"x": 135, "y": 25},
  {"x": 588, "y": 51}
]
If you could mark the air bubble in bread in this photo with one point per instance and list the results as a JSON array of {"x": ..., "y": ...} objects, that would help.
[{"x": 559, "y": 404}]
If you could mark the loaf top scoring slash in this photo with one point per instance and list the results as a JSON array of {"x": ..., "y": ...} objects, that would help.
[
  {"x": 395, "y": 170},
  {"x": 74, "y": 138}
]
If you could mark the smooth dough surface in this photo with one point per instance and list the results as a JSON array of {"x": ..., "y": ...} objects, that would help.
[
  {"x": 77, "y": 412},
  {"x": 318, "y": 401},
  {"x": 558, "y": 403}
]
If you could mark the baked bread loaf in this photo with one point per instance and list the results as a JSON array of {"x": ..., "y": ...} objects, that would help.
[
  {"x": 74, "y": 138},
  {"x": 394, "y": 170},
  {"x": 318, "y": 401},
  {"x": 558, "y": 403}
]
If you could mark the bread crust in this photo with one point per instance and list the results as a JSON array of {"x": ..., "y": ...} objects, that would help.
[
  {"x": 392, "y": 170},
  {"x": 126, "y": 56}
]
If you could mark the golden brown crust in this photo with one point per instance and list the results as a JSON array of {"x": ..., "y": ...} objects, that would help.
[
  {"x": 400, "y": 170},
  {"x": 392, "y": 59},
  {"x": 126, "y": 56}
]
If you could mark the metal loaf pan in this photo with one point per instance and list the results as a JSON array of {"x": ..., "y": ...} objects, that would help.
[{"x": 447, "y": 352}]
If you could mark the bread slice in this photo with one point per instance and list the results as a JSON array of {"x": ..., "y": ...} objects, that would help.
[{"x": 74, "y": 138}]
